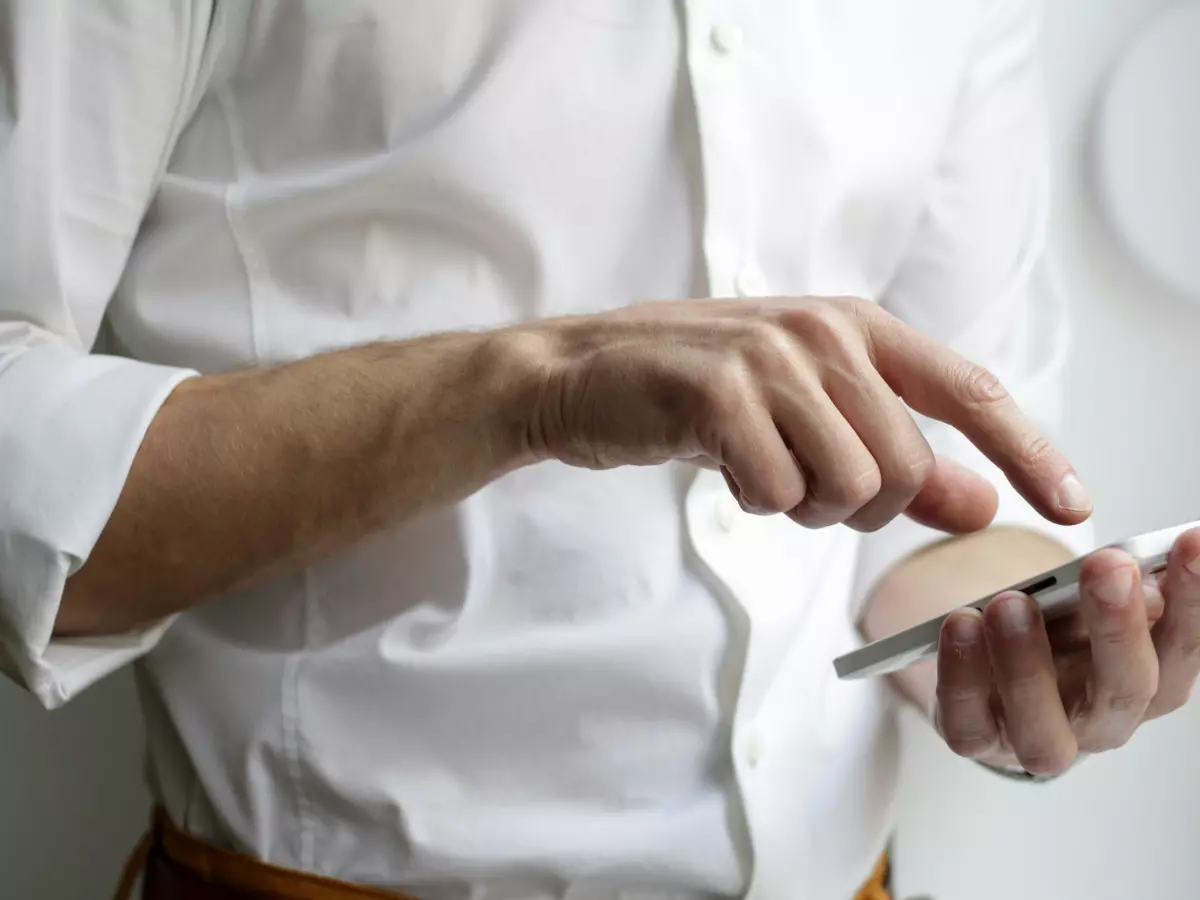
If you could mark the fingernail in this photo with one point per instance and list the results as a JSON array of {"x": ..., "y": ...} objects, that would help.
[
  {"x": 1072, "y": 495},
  {"x": 1115, "y": 587},
  {"x": 965, "y": 627},
  {"x": 1014, "y": 613},
  {"x": 1193, "y": 565}
]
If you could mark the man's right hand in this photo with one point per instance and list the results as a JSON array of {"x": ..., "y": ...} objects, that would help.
[
  {"x": 799, "y": 402},
  {"x": 242, "y": 475}
]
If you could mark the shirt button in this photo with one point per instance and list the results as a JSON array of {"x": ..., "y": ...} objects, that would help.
[
  {"x": 726, "y": 512},
  {"x": 726, "y": 39},
  {"x": 754, "y": 750},
  {"x": 750, "y": 283}
]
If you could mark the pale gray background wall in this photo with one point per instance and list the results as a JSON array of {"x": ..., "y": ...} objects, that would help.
[
  {"x": 71, "y": 797},
  {"x": 1126, "y": 826}
]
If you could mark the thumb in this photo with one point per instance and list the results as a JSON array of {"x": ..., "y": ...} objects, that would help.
[{"x": 955, "y": 500}]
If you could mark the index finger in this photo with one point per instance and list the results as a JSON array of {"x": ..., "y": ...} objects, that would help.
[{"x": 937, "y": 382}]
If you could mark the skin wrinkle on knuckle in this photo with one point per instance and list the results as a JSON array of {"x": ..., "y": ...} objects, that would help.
[
  {"x": 1035, "y": 452},
  {"x": 892, "y": 498},
  {"x": 767, "y": 347},
  {"x": 1132, "y": 700},
  {"x": 854, "y": 491},
  {"x": 858, "y": 305},
  {"x": 914, "y": 469},
  {"x": 826, "y": 331},
  {"x": 979, "y": 387},
  {"x": 857, "y": 311}
]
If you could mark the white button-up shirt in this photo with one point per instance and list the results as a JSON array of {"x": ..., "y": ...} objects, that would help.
[{"x": 572, "y": 684}]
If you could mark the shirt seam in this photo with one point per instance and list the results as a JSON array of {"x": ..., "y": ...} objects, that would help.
[
  {"x": 241, "y": 241},
  {"x": 185, "y": 94},
  {"x": 290, "y": 714},
  {"x": 292, "y": 737}
]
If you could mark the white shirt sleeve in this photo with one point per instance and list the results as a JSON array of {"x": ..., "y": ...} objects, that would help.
[
  {"x": 91, "y": 98},
  {"x": 976, "y": 276}
]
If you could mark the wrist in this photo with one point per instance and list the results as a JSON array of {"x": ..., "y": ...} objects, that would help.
[{"x": 518, "y": 367}]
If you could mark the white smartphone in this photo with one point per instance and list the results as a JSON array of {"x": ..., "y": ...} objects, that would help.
[{"x": 1056, "y": 592}]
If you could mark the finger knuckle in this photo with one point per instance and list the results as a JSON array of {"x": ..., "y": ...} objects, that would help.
[
  {"x": 826, "y": 328},
  {"x": 765, "y": 345},
  {"x": 854, "y": 307},
  {"x": 1128, "y": 701},
  {"x": 1036, "y": 450},
  {"x": 723, "y": 390},
  {"x": 978, "y": 386},
  {"x": 853, "y": 491},
  {"x": 912, "y": 471}
]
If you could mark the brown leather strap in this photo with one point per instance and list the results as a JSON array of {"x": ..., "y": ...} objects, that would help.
[
  {"x": 134, "y": 866},
  {"x": 198, "y": 870},
  {"x": 876, "y": 887},
  {"x": 179, "y": 866}
]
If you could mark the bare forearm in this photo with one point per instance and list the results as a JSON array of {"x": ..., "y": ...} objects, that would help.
[
  {"x": 247, "y": 474},
  {"x": 946, "y": 576}
]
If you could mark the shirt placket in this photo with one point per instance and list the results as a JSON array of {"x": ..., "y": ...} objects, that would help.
[
  {"x": 717, "y": 60},
  {"x": 718, "y": 57}
]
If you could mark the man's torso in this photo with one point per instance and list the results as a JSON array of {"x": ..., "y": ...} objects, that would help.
[{"x": 572, "y": 683}]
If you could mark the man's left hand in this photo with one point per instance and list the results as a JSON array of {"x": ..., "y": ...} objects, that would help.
[{"x": 1012, "y": 690}]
